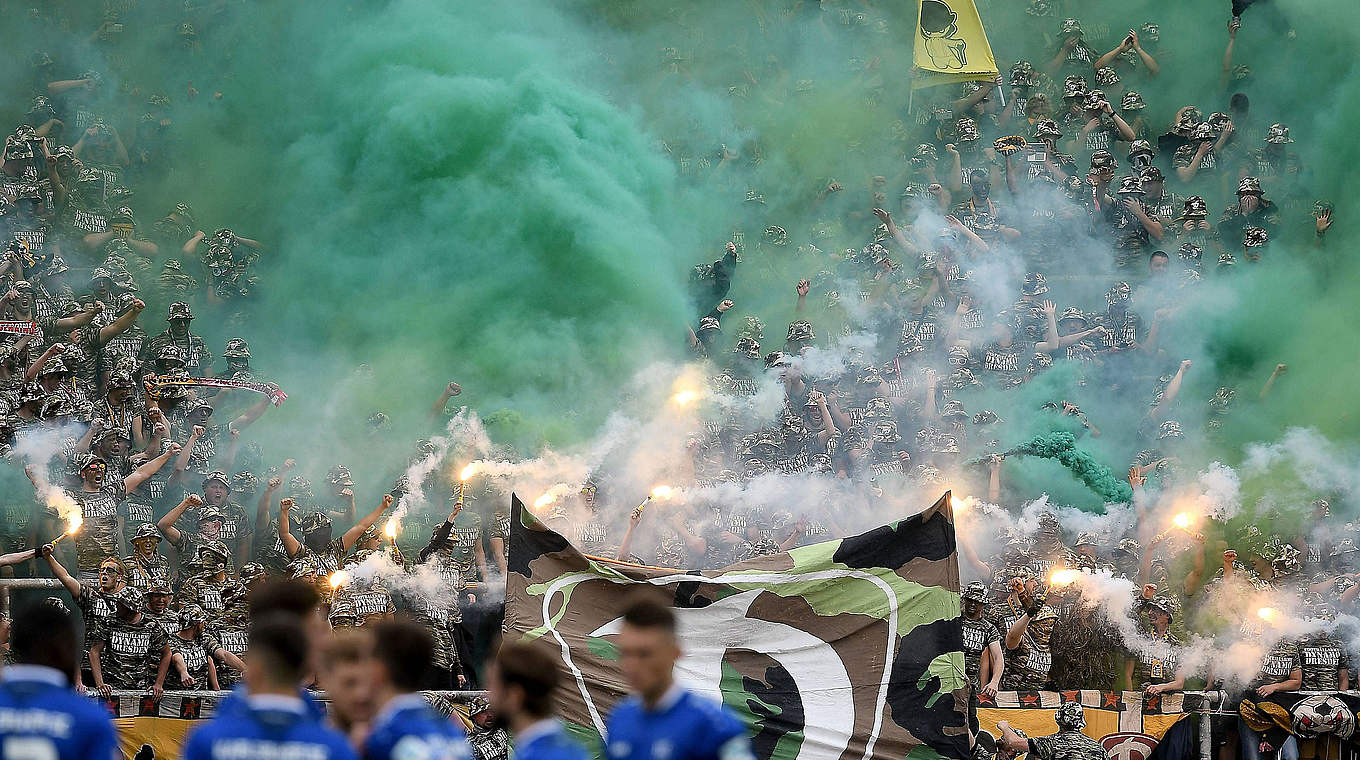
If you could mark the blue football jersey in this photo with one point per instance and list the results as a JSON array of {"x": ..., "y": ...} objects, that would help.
[
  {"x": 682, "y": 727},
  {"x": 269, "y": 728},
  {"x": 409, "y": 729},
  {"x": 41, "y": 718},
  {"x": 548, "y": 741}
]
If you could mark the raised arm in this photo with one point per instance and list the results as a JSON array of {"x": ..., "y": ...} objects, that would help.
[
  {"x": 1151, "y": 63},
  {"x": 79, "y": 319},
  {"x": 48, "y": 551},
  {"x": 122, "y": 323},
  {"x": 1226, "y": 76},
  {"x": 290, "y": 545},
  {"x": 191, "y": 245},
  {"x": 441, "y": 534},
  {"x": 166, "y": 524},
  {"x": 140, "y": 475},
  {"x": 1017, "y": 631},
  {"x": 56, "y": 349},
  {"x": 1173, "y": 389},
  {"x": 249, "y": 416},
  {"x": 450, "y": 390},
  {"x": 1280, "y": 369},
  {"x": 262, "y": 511},
  {"x": 366, "y": 522},
  {"x": 186, "y": 452}
]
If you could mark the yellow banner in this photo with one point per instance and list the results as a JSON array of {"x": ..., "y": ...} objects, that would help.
[
  {"x": 951, "y": 45},
  {"x": 164, "y": 735}
]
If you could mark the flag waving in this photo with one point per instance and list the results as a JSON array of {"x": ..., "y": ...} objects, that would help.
[
  {"x": 844, "y": 650},
  {"x": 951, "y": 45}
]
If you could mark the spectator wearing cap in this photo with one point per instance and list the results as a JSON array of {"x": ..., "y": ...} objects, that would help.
[
  {"x": 984, "y": 661},
  {"x": 1101, "y": 127},
  {"x": 1202, "y": 151},
  {"x": 129, "y": 651},
  {"x": 193, "y": 349},
  {"x": 1252, "y": 211},
  {"x": 207, "y": 527},
  {"x": 340, "y": 504},
  {"x": 1159, "y": 201},
  {"x": 99, "y": 499},
  {"x": 1131, "y": 51},
  {"x": 122, "y": 226},
  {"x": 1073, "y": 53},
  {"x": 191, "y": 666},
  {"x": 146, "y": 566}
]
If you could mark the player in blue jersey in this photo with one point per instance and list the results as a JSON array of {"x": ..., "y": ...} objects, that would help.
[
  {"x": 405, "y": 726},
  {"x": 520, "y": 684},
  {"x": 40, "y": 715},
  {"x": 662, "y": 720},
  {"x": 274, "y": 723}
]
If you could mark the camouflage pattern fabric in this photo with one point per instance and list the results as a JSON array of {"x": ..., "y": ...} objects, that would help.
[
  {"x": 1068, "y": 744},
  {"x": 98, "y": 536},
  {"x": 132, "y": 652},
  {"x": 489, "y": 744},
  {"x": 145, "y": 572},
  {"x": 859, "y": 637}
]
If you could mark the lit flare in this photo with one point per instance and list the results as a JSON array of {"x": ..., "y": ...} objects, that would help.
[{"x": 1064, "y": 577}]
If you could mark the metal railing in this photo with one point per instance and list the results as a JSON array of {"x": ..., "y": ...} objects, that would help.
[{"x": 320, "y": 696}]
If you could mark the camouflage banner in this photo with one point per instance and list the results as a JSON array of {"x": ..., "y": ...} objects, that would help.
[{"x": 844, "y": 650}]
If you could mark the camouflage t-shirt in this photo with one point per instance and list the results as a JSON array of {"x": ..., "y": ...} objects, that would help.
[
  {"x": 977, "y": 636},
  {"x": 235, "y": 526},
  {"x": 1003, "y": 615},
  {"x": 1067, "y": 745},
  {"x": 500, "y": 525},
  {"x": 144, "y": 572},
  {"x": 96, "y": 608},
  {"x": 1282, "y": 660},
  {"x": 195, "y": 652},
  {"x": 489, "y": 744},
  {"x": 371, "y": 602},
  {"x": 167, "y": 620},
  {"x": 463, "y": 539},
  {"x": 1027, "y": 665},
  {"x": 233, "y": 640},
  {"x": 1323, "y": 657},
  {"x": 132, "y": 652},
  {"x": 209, "y": 594},
  {"x": 434, "y": 618},
  {"x": 591, "y": 535},
  {"x": 1156, "y": 662},
  {"x": 328, "y": 559},
  {"x": 98, "y": 536}
]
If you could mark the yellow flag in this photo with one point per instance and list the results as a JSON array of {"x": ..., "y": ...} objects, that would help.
[{"x": 951, "y": 45}]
